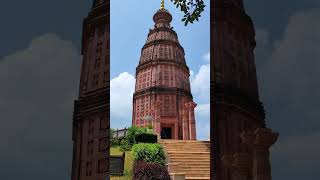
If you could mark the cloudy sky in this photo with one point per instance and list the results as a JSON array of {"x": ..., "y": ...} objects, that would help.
[
  {"x": 40, "y": 67},
  {"x": 129, "y": 29},
  {"x": 287, "y": 60}
]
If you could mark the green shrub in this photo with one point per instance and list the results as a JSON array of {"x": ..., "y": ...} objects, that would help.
[
  {"x": 115, "y": 142},
  {"x": 151, "y": 153},
  {"x": 124, "y": 145},
  {"x": 146, "y": 138},
  {"x": 133, "y": 131}
]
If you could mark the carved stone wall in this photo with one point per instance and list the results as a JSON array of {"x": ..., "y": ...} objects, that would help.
[
  {"x": 91, "y": 119},
  {"x": 235, "y": 104}
]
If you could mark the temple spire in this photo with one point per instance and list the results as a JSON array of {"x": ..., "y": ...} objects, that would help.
[{"x": 162, "y": 5}]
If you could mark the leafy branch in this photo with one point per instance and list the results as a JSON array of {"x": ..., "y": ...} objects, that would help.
[{"x": 192, "y": 9}]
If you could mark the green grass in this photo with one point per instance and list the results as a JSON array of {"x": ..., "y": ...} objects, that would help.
[{"x": 128, "y": 163}]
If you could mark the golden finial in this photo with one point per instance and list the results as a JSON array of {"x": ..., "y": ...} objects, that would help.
[{"x": 162, "y": 5}]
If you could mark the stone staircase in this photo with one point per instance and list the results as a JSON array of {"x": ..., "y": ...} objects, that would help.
[{"x": 191, "y": 158}]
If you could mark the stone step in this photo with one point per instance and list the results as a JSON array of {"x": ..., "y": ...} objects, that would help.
[
  {"x": 194, "y": 164},
  {"x": 186, "y": 167},
  {"x": 180, "y": 144},
  {"x": 187, "y": 155},
  {"x": 183, "y": 143},
  {"x": 195, "y": 167},
  {"x": 202, "y": 153},
  {"x": 192, "y": 157},
  {"x": 190, "y": 146},
  {"x": 189, "y": 158},
  {"x": 188, "y": 149},
  {"x": 196, "y": 145},
  {"x": 197, "y": 178},
  {"x": 197, "y": 175},
  {"x": 202, "y": 172}
]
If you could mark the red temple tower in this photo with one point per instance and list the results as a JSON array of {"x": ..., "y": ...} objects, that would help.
[
  {"x": 91, "y": 123},
  {"x": 162, "y": 95},
  {"x": 240, "y": 138}
]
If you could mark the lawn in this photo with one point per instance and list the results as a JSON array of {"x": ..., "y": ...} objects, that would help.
[{"x": 127, "y": 164}]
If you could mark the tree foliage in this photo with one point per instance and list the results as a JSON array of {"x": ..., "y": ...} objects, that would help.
[{"x": 192, "y": 9}]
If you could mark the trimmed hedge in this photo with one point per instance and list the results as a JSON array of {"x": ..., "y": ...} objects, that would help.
[
  {"x": 126, "y": 142},
  {"x": 133, "y": 131},
  {"x": 151, "y": 153},
  {"x": 146, "y": 138},
  {"x": 149, "y": 171}
]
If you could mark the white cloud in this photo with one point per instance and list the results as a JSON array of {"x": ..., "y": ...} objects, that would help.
[
  {"x": 121, "y": 92},
  {"x": 38, "y": 86},
  {"x": 203, "y": 109},
  {"x": 200, "y": 83},
  {"x": 200, "y": 87},
  {"x": 202, "y": 113},
  {"x": 207, "y": 57}
]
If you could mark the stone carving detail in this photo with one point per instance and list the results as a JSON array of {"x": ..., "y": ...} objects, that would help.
[
  {"x": 102, "y": 166},
  {"x": 103, "y": 144},
  {"x": 90, "y": 116},
  {"x": 239, "y": 164},
  {"x": 260, "y": 141},
  {"x": 90, "y": 148},
  {"x": 238, "y": 116},
  {"x": 89, "y": 168}
]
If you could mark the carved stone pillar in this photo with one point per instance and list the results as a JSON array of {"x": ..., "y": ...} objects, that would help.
[
  {"x": 261, "y": 140},
  {"x": 192, "y": 122},
  {"x": 157, "y": 124},
  {"x": 185, "y": 126},
  {"x": 239, "y": 164}
]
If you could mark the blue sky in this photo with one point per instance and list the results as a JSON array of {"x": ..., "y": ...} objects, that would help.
[{"x": 130, "y": 24}]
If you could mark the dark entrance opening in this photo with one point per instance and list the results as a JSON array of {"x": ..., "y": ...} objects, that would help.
[{"x": 166, "y": 133}]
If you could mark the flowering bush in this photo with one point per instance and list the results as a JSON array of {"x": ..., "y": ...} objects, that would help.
[{"x": 149, "y": 171}]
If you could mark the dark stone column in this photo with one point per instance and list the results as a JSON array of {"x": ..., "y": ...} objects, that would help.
[{"x": 260, "y": 140}]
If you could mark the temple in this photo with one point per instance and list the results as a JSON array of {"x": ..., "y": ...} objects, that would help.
[
  {"x": 162, "y": 97},
  {"x": 91, "y": 121},
  {"x": 241, "y": 139}
]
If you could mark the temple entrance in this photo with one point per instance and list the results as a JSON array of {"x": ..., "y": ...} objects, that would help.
[{"x": 166, "y": 133}]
